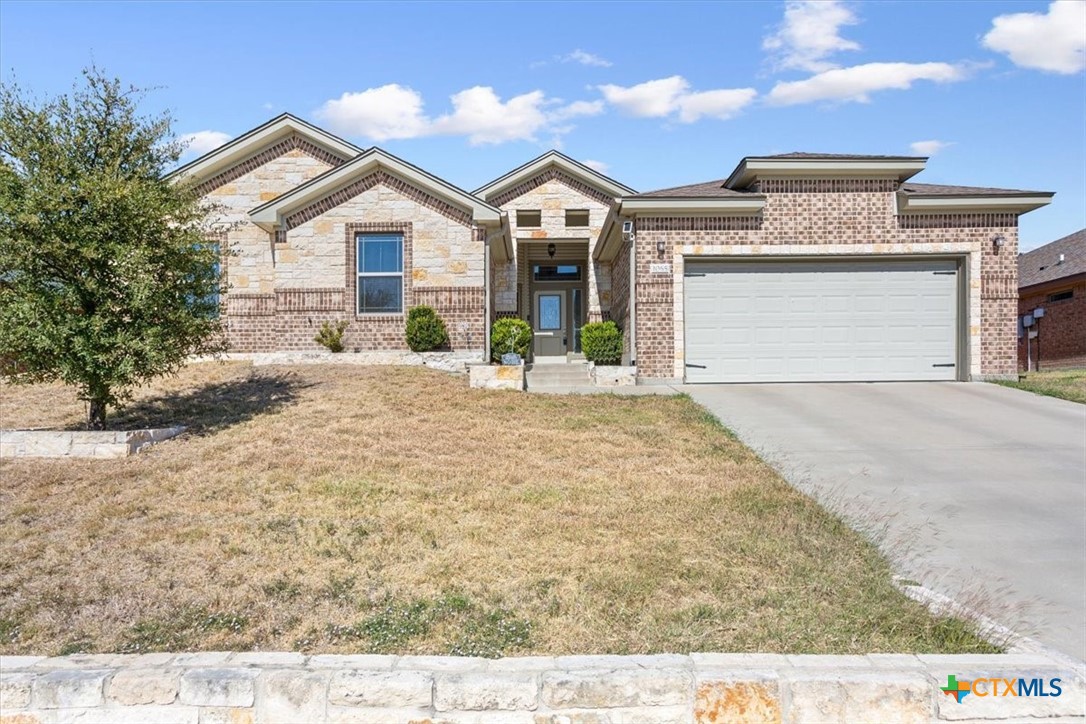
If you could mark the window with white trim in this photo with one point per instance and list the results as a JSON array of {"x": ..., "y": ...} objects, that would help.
[{"x": 379, "y": 260}]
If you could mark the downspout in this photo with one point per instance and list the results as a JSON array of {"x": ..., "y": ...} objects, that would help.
[
  {"x": 632, "y": 301},
  {"x": 486, "y": 299}
]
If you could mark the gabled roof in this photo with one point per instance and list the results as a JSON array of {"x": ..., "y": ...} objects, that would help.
[
  {"x": 574, "y": 168},
  {"x": 269, "y": 216},
  {"x": 707, "y": 189},
  {"x": 1043, "y": 264},
  {"x": 262, "y": 136},
  {"x": 829, "y": 165}
]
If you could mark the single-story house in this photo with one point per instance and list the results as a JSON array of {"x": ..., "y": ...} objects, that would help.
[
  {"x": 1052, "y": 279},
  {"x": 795, "y": 267}
]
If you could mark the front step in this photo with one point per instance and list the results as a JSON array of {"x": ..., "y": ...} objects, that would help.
[{"x": 557, "y": 375}]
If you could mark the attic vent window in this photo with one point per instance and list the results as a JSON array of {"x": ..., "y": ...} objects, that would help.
[
  {"x": 576, "y": 217},
  {"x": 529, "y": 219},
  {"x": 1061, "y": 296}
]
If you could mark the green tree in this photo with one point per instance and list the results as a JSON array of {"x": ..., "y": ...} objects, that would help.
[{"x": 107, "y": 274}]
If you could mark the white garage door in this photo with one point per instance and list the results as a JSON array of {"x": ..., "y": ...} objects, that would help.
[{"x": 806, "y": 321}]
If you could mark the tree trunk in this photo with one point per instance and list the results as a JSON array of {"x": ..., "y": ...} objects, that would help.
[{"x": 96, "y": 415}]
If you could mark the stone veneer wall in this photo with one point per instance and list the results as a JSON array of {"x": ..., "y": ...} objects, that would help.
[
  {"x": 552, "y": 192},
  {"x": 1061, "y": 332},
  {"x": 265, "y": 688},
  {"x": 314, "y": 281},
  {"x": 826, "y": 217}
]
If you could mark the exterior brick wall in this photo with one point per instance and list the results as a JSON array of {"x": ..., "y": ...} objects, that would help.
[
  {"x": 620, "y": 297},
  {"x": 1061, "y": 337},
  {"x": 842, "y": 214}
]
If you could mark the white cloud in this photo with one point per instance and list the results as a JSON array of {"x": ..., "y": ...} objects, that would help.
[
  {"x": 396, "y": 112},
  {"x": 719, "y": 104},
  {"x": 390, "y": 111},
  {"x": 577, "y": 108},
  {"x": 809, "y": 33},
  {"x": 651, "y": 99},
  {"x": 665, "y": 96},
  {"x": 928, "y": 148},
  {"x": 858, "y": 82},
  {"x": 586, "y": 58},
  {"x": 1054, "y": 41},
  {"x": 599, "y": 166},
  {"x": 201, "y": 142},
  {"x": 480, "y": 114}
]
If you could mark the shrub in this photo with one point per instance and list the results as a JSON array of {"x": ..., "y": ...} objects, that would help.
[
  {"x": 425, "y": 330},
  {"x": 331, "y": 335},
  {"x": 601, "y": 343},
  {"x": 509, "y": 335}
]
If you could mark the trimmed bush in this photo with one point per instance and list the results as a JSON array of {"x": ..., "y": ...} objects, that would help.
[
  {"x": 601, "y": 343},
  {"x": 331, "y": 335},
  {"x": 425, "y": 330},
  {"x": 510, "y": 335}
]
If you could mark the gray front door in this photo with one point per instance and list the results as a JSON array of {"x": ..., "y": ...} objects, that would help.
[{"x": 549, "y": 326}]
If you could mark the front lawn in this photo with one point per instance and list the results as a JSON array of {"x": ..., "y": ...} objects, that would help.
[
  {"x": 393, "y": 510},
  {"x": 1065, "y": 384}
]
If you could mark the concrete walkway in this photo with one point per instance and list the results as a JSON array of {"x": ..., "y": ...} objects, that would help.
[{"x": 978, "y": 487}]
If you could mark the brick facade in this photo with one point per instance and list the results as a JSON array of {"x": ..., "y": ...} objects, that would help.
[
  {"x": 284, "y": 286},
  {"x": 839, "y": 217},
  {"x": 1061, "y": 333}
]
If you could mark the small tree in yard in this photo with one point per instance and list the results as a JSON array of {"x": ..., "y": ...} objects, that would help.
[{"x": 107, "y": 277}]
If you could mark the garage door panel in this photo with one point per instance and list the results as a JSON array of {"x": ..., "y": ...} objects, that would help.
[{"x": 810, "y": 320}]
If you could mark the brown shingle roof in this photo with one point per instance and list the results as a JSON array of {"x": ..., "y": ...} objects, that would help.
[
  {"x": 705, "y": 190},
  {"x": 943, "y": 190},
  {"x": 1043, "y": 264}
]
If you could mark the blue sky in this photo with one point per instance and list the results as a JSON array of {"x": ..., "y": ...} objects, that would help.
[{"x": 655, "y": 94}]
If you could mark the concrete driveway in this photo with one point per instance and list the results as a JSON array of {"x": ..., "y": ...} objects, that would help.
[{"x": 979, "y": 486}]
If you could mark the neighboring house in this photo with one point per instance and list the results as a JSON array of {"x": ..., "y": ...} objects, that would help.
[
  {"x": 796, "y": 267},
  {"x": 1053, "y": 278}
]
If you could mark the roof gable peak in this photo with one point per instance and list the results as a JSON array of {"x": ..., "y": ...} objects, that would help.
[
  {"x": 257, "y": 139},
  {"x": 556, "y": 159}
]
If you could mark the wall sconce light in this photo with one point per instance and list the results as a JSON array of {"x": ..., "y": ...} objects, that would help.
[
  {"x": 660, "y": 247},
  {"x": 998, "y": 240},
  {"x": 551, "y": 248}
]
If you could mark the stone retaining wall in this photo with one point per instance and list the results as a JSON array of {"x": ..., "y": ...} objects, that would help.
[
  {"x": 446, "y": 361},
  {"x": 80, "y": 443},
  {"x": 496, "y": 377},
  {"x": 245, "y": 688}
]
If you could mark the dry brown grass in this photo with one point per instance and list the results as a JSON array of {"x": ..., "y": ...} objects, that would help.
[{"x": 378, "y": 509}]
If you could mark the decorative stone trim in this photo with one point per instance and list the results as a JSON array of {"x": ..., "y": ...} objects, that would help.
[
  {"x": 503, "y": 314},
  {"x": 81, "y": 443},
  {"x": 956, "y": 221},
  {"x": 551, "y": 174},
  {"x": 393, "y": 227},
  {"x": 267, "y": 687},
  {"x": 365, "y": 184},
  {"x": 825, "y": 185},
  {"x": 291, "y": 143},
  {"x": 699, "y": 223}
]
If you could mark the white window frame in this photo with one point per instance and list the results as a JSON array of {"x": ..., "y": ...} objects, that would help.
[{"x": 359, "y": 276}]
